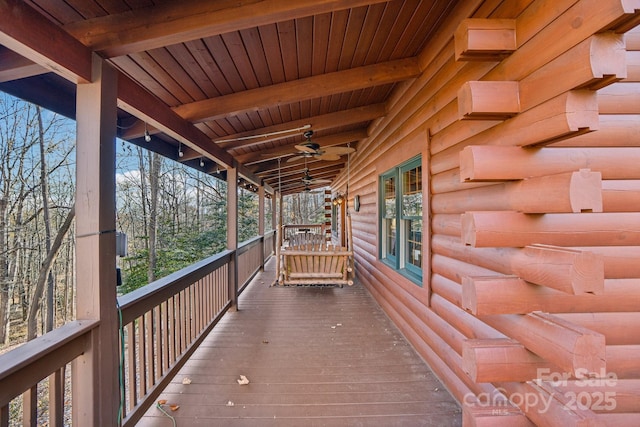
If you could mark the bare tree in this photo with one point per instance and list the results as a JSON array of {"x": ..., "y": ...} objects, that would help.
[
  {"x": 155, "y": 163},
  {"x": 44, "y": 191},
  {"x": 32, "y": 329}
]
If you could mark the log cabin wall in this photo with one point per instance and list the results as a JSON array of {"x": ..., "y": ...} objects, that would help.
[{"x": 526, "y": 116}]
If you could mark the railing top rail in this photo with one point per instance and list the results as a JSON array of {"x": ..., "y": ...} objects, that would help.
[
  {"x": 138, "y": 302},
  {"x": 247, "y": 244},
  {"x": 24, "y": 366}
]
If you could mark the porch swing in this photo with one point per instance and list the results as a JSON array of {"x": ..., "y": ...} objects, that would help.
[{"x": 311, "y": 262}]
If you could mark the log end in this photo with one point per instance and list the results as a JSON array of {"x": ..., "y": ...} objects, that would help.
[
  {"x": 587, "y": 273},
  {"x": 468, "y": 225},
  {"x": 585, "y": 191},
  {"x": 608, "y": 58},
  {"x": 493, "y": 415},
  {"x": 488, "y": 100},
  {"x": 469, "y": 297},
  {"x": 589, "y": 356}
]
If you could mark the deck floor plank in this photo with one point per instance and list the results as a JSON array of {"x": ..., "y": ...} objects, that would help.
[{"x": 314, "y": 356}]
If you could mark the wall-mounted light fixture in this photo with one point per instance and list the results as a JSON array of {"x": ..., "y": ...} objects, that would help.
[{"x": 338, "y": 200}]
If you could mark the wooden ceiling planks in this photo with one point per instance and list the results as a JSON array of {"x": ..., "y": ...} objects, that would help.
[{"x": 234, "y": 68}]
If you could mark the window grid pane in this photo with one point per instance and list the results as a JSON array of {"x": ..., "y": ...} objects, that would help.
[{"x": 414, "y": 243}]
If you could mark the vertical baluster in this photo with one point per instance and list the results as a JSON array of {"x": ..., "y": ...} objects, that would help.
[
  {"x": 56, "y": 398},
  {"x": 142, "y": 350},
  {"x": 131, "y": 365},
  {"x": 192, "y": 313},
  {"x": 183, "y": 322},
  {"x": 173, "y": 334},
  {"x": 200, "y": 302},
  {"x": 30, "y": 407},
  {"x": 158, "y": 343},
  {"x": 165, "y": 336},
  {"x": 4, "y": 416},
  {"x": 149, "y": 359}
]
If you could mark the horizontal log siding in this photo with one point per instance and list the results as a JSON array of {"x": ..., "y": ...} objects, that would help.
[{"x": 422, "y": 118}]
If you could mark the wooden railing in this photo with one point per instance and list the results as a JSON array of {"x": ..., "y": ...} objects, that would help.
[
  {"x": 249, "y": 260},
  {"x": 22, "y": 369},
  {"x": 162, "y": 325},
  {"x": 269, "y": 244}
]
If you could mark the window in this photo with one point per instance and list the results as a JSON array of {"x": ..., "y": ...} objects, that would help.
[{"x": 401, "y": 219}]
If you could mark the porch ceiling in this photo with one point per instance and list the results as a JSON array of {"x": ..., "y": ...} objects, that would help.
[{"x": 231, "y": 69}]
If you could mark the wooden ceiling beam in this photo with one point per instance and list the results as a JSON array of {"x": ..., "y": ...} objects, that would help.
[
  {"x": 332, "y": 167},
  {"x": 14, "y": 66},
  {"x": 318, "y": 123},
  {"x": 270, "y": 170},
  {"x": 299, "y": 90},
  {"x": 137, "y": 101},
  {"x": 28, "y": 33},
  {"x": 328, "y": 175},
  {"x": 181, "y": 21}
]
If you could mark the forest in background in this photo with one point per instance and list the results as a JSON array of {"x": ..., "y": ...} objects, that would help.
[{"x": 172, "y": 215}]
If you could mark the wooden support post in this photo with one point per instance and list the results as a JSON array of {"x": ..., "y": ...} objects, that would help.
[
  {"x": 232, "y": 234},
  {"x": 277, "y": 213},
  {"x": 573, "y": 348},
  {"x": 512, "y": 295},
  {"x": 566, "y": 192},
  {"x": 514, "y": 229},
  {"x": 261, "y": 219},
  {"x": 485, "y": 39},
  {"x": 492, "y": 163},
  {"x": 485, "y": 100},
  {"x": 95, "y": 373}
]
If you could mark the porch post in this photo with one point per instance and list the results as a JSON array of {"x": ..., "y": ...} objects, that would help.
[
  {"x": 274, "y": 210},
  {"x": 232, "y": 233},
  {"x": 261, "y": 217},
  {"x": 96, "y": 393}
]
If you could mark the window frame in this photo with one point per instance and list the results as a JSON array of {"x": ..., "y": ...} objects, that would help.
[{"x": 399, "y": 260}]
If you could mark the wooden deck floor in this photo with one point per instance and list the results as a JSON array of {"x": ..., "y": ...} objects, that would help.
[{"x": 314, "y": 356}]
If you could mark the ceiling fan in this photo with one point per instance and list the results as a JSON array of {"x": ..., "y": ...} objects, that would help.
[
  {"x": 311, "y": 149},
  {"x": 307, "y": 179}
]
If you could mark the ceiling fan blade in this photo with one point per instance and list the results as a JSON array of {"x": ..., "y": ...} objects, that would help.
[
  {"x": 338, "y": 150},
  {"x": 320, "y": 181},
  {"x": 295, "y": 158},
  {"x": 327, "y": 156},
  {"x": 310, "y": 148}
]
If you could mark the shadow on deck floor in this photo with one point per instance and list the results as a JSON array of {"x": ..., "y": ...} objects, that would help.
[{"x": 314, "y": 356}]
